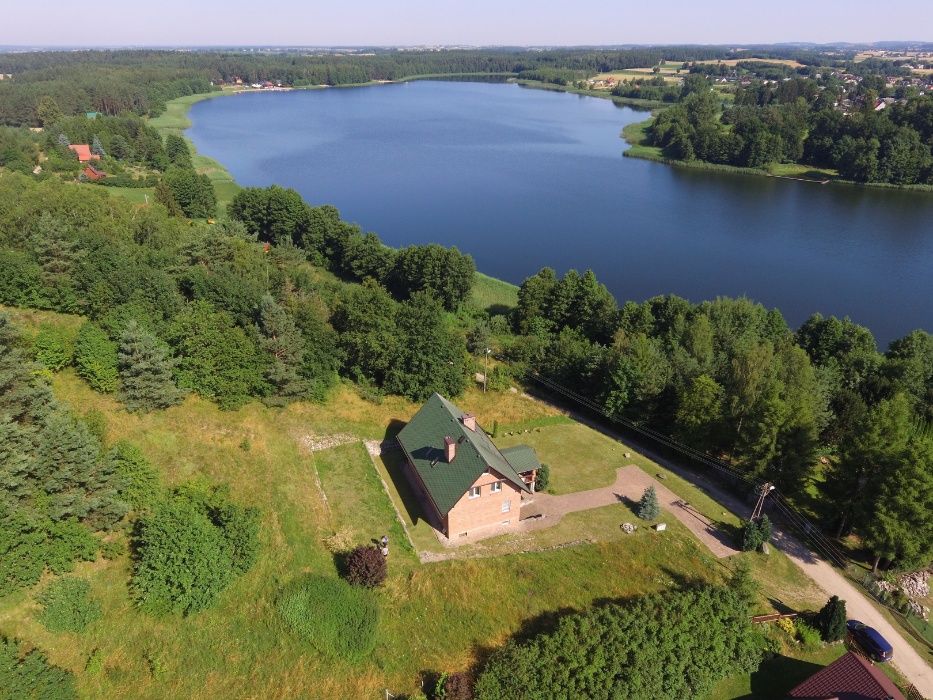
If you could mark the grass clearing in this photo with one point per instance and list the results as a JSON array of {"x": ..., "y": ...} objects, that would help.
[{"x": 493, "y": 295}]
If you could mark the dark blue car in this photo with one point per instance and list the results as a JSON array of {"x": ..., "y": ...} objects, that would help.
[{"x": 870, "y": 641}]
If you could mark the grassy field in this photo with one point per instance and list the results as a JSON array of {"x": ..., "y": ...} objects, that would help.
[
  {"x": 636, "y": 136},
  {"x": 493, "y": 295},
  {"x": 767, "y": 61},
  {"x": 436, "y": 617}
]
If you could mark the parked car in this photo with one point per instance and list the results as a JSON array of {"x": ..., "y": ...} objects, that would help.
[{"x": 870, "y": 641}]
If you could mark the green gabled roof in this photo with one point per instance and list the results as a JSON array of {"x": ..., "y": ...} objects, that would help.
[
  {"x": 522, "y": 458},
  {"x": 423, "y": 441}
]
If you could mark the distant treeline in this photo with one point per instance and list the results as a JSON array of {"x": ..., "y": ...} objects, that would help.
[
  {"x": 141, "y": 82},
  {"x": 802, "y": 120}
]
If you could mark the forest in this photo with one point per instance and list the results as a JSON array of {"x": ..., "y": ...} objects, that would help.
[
  {"x": 799, "y": 120},
  {"x": 113, "y": 82},
  {"x": 242, "y": 310}
]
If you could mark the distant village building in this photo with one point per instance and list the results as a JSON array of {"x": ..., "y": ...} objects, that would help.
[
  {"x": 93, "y": 174},
  {"x": 466, "y": 485},
  {"x": 83, "y": 151}
]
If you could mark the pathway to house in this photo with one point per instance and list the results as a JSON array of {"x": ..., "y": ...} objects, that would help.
[
  {"x": 908, "y": 661},
  {"x": 629, "y": 486}
]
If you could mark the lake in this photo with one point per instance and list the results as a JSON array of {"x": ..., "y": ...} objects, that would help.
[{"x": 522, "y": 179}]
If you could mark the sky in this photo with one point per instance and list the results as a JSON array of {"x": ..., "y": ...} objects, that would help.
[{"x": 470, "y": 22}]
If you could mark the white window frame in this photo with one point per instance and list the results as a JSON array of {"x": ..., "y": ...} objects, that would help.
[
  {"x": 475, "y": 491},
  {"x": 496, "y": 486},
  {"x": 507, "y": 505}
]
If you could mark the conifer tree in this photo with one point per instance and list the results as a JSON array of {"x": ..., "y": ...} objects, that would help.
[
  {"x": 648, "y": 508},
  {"x": 97, "y": 147},
  {"x": 145, "y": 371},
  {"x": 165, "y": 197},
  {"x": 831, "y": 620},
  {"x": 285, "y": 349}
]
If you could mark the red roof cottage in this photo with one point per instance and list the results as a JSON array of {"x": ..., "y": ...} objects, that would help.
[
  {"x": 93, "y": 174},
  {"x": 849, "y": 677},
  {"x": 466, "y": 485},
  {"x": 83, "y": 151}
]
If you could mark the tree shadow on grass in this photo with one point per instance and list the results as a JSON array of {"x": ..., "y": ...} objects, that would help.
[{"x": 777, "y": 676}]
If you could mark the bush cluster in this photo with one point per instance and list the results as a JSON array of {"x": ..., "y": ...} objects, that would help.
[
  {"x": 189, "y": 548},
  {"x": 338, "y": 619},
  {"x": 755, "y": 533},
  {"x": 31, "y": 676},
  {"x": 365, "y": 566},
  {"x": 67, "y": 605}
]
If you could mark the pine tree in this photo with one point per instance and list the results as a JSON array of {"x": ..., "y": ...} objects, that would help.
[
  {"x": 97, "y": 147},
  {"x": 285, "y": 348},
  {"x": 165, "y": 197},
  {"x": 648, "y": 508},
  {"x": 145, "y": 371},
  {"x": 831, "y": 620}
]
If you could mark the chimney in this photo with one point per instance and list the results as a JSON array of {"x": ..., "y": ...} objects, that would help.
[
  {"x": 469, "y": 421},
  {"x": 450, "y": 449}
]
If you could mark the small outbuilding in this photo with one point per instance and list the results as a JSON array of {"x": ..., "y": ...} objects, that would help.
[
  {"x": 93, "y": 174},
  {"x": 83, "y": 151}
]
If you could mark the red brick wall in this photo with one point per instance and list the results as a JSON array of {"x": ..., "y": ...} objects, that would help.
[{"x": 472, "y": 514}]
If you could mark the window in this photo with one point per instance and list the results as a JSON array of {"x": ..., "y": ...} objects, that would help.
[
  {"x": 474, "y": 492},
  {"x": 496, "y": 486},
  {"x": 506, "y": 505}
]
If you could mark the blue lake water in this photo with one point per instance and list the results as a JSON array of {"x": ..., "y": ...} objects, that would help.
[{"x": 522, "y": 179}]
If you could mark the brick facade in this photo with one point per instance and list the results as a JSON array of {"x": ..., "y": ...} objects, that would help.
[{"x": 471, "y": 514}]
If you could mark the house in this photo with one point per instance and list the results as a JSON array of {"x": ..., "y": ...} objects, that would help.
[
  {"x": 850, "y": 677},
  {"x": 93, "y": 174},
  {"x": 83, "y": 152},
  {"x": 466, "y": 485}
]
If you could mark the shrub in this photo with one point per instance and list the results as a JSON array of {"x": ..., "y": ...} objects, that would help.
[
  {"x": 675, "y": 644},
  {"x": 189, "y": 548},
  {"x": 95, "y": 663},
  {"x": 338, "y": 619},
  {"x": 648, "y": 508},
  {"x": 54, "y": 349},
  {"x": 454, "y": 686},
  {"x": 137, "y": 481},
  {"x": 96, "y": 424},
  {"x": 831, "y": 620},
  {"x": 755, "y": 533},
  {"x": 808, "y": 636},
  {"x": 787, "y": 624},
  {"x": 31, "y": 676},
  {"x": 544, "y": 478},
  {"x": 95, "y": 358},
  {"x": 68, "y": 605},
  {"x": 366, "y": 567}
]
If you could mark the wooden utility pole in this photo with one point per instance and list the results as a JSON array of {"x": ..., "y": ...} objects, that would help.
[
  {"x": 486, "y": 368},
  {"x": 766, "y": 488}
]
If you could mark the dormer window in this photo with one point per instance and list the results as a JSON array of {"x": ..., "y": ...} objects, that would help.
[
  {"x": 496, "y": 486},
  {"x": 474, "y": 492}
]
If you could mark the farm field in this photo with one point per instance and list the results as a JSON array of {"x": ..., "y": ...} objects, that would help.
[{"x": 305, "y": 467}]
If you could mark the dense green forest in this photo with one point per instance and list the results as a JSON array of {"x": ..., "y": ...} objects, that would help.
[
  {"x": 243, "y": 310},
  {"x": 730, "y": 377},
  {"x": 819, "y": 122}
]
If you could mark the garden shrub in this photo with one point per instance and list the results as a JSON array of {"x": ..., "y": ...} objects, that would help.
[
  {"x": 366, "y": 566},
  {"x": 544, "y": 478},
  {"x": 755, "y": 533},
  {"x": 648, "y": 508},
  {"x": 30, "y": 676},
  {"x": 668, "y": 645},
  {"x": 189, "y": 548},
  {"x": 68, "y": 605},
  {"x": 338, "y": 619},
  {"x": 808, "y": 636},
  {"x": 137, "y": 481},
  {"x": 454, "y": 686},
  {"x": 787, "y": 624},
  {"x": 831, "y": 620},
  {"x": 54, "y": 348},
  {"x": 95, "y": 358}
]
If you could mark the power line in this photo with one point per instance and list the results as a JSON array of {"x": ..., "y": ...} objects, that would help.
[{"x": 791, "y": 515}]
